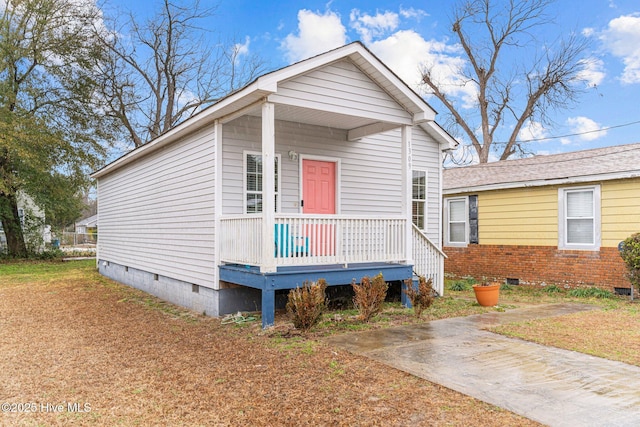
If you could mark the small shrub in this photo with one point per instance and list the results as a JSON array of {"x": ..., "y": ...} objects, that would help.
[
  {"x": 459, "y": 285},
  {"x": 369, "y": 296},
  {"x": 422, "y": 297},
  {"x": 630, "y": 253},
  {"x": 553, "y": 289},
  {"x": 47, "y": 255},
  {"x": 590, "y": 293},
  {"x": 305, "y": 305},
  {"x": 506, "y": 287}
]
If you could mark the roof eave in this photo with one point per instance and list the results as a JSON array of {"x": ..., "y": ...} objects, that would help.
[
  {"x": 446, "y": 141},
  {"x": 543, "y": 182},
  {"x": 258, "y": 89},
  {"x": 265, "y": 85}
]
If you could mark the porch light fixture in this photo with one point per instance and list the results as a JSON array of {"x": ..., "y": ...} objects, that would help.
[{"x": 293, "y": 155}]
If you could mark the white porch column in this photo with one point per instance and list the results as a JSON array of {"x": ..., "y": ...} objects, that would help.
[
  {"x": 217, "y": 199},
  {"x": 407, "y": 191},
  {"x": 268, "y": 188}
]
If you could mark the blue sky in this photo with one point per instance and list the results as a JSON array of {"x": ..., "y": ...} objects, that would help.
[{"x": 408, "y": 34}]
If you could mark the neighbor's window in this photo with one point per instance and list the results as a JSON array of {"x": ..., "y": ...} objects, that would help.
[
  {"x": 579, "y": 218},
  {"x": 419, "y": 199},
  {"x": 456, "y": 221},
  {"x": 253, "y": 182}
]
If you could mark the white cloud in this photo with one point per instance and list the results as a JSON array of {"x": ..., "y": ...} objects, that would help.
[
  {"x": 317, "y": 33},
  {"x": 532, "y": 131},
  {"x": 592, "y": 73},
  {"x": 241, "y": 49},
  {"x": 370, "y": 26},
  {"x": 582, "y": 124},
  {"x": 413, "y": 13},
  {"x": 407, "y": 54},
  {"x": 622, "y": 38}
]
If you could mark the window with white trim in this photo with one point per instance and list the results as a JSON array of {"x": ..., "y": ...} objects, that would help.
[
  {"x": 253, "y": 181},
  {"x": 579, "y": 218},
  {"x": 456, "y": 221},
  {"x": 419, "y": 199}
]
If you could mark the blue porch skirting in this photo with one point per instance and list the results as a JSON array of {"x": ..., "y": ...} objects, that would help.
[{"x": 293, "y": 277}]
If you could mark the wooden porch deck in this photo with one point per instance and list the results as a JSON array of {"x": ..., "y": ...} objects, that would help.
[{"x": 290, "y": 277}]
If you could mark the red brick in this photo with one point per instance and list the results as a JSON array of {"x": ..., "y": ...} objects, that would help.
[{"x": 538, "y": 265}]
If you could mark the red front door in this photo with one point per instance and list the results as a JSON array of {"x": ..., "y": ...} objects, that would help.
[
  {"x": 319, "y": 197},
  {"x": 318, "y": 187}
]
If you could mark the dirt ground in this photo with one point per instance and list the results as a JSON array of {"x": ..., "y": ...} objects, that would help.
[{"x": 81, "y": 350}]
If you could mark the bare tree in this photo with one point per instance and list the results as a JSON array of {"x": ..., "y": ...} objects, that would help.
[
  {"x": 163, "y": 71},
  {"x": 509, "y": 94}
]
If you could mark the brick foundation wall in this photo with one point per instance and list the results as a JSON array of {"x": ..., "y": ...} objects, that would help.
[{"x": 539, "y": 265}]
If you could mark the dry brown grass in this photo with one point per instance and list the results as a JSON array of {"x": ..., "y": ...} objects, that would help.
[
  {"x": 613, "y": 334},
  {"x": 71, "y": 336}
]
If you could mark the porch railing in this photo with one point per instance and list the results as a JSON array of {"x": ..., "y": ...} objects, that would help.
[
  {"x": 428, "y": 259},
  {"x": 314, "y": 239}
]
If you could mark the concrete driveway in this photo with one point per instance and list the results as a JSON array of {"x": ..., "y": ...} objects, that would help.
[{"x": 549, "y": 385}]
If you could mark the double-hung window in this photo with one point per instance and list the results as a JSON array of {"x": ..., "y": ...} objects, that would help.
[
  {"x": 253, "y": 181},
  {"x": 456, "y": 221},
  {"x": 419, "y": 199},
  {"x": 579, "y": 218}
]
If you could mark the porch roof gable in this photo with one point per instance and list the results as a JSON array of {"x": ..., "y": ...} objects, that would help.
[{"x": 248, "y": 99}]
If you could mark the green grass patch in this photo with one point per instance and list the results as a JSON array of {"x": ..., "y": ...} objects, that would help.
[
  {"x": 17, "y": 272},
  {"x": 460, "y": 285},
  {"x": 553, "y": 289},
  {"x": 296, "y": 344},
  {"x": 591, "y": 292}
]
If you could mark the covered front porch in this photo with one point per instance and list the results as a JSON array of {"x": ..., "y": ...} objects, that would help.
[
  {"x": 316, "y": 177},
  {"x": 338, "y": 248}
]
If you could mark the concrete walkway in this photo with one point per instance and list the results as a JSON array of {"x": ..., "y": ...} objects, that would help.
[{"x": 552, "y": 386}]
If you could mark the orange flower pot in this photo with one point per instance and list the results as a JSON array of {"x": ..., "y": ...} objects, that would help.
[{"x": 487, "y": 296}]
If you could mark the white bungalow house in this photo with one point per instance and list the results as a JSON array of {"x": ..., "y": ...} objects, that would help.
[{"x": 330, "y": 167}]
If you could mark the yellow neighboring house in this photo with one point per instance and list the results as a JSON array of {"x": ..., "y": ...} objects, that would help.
[{"x": 555, "y": 219}]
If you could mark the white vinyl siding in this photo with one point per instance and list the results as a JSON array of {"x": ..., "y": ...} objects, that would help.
[
  {"x": 456, "y": 224},
  {"x": 370, "y": 178},
  {"x": 426, "y": 156},
  {"x": 341, "y": 88},
  {"x": 579, "y": 218},
  {"x": 157, "y": 214}
]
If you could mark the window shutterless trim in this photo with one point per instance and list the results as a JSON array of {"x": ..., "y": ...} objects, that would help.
[
  {"x": 245, "y": 192},
  {"x": 422, "y": 201},
  {"x": 562, "y": 219},
  {"x": 447, "y": 231}
]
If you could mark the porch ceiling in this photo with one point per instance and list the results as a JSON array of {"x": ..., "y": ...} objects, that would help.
[{"x": 329, "y": 119}]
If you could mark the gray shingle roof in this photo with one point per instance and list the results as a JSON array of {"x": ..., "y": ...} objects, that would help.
[{"x": 598, "y": 163}]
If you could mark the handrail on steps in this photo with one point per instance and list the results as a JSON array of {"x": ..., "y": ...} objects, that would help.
[{"x": 429, "y": 241}]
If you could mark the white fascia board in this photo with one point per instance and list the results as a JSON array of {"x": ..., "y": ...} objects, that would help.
[
  {"x": 207, "y": 116},
  {"x": 424, "y": 116},
  {"x": 445, "y": 140},
  {"x": 544, "y": 182},
  {"x": 355, "y": 51},
  {"x": 426, "y": 113},
  {"x": 270, "y": 81}
]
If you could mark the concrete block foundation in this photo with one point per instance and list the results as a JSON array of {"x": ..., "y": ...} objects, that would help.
[{"x": 211, "y": 302}]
